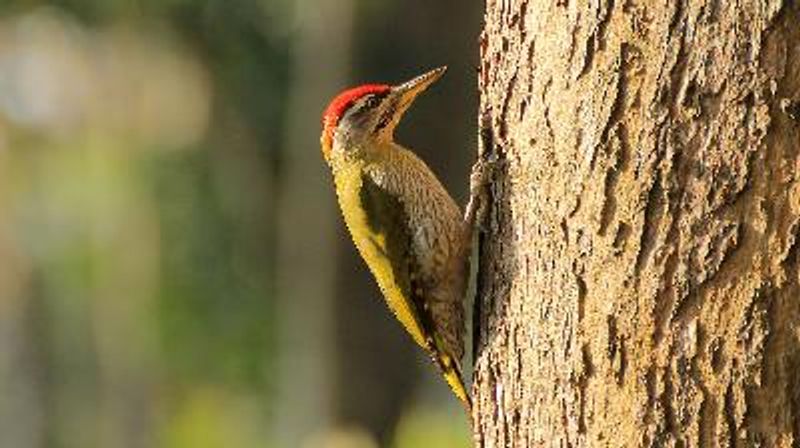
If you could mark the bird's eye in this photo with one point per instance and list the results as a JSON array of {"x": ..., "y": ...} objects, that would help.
[{"x": 372, "y": 102}]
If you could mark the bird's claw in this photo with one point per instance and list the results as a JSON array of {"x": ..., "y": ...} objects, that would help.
[{"x": 480, "y": 178}]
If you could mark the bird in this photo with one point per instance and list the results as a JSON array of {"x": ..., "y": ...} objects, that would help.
[{"x": 412, "y": 235}]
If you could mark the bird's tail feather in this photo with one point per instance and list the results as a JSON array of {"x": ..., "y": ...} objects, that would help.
[{"x": 452, "y": 374}]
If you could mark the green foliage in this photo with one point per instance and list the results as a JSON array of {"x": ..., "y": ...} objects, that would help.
[{"x": 214, "y": 308}]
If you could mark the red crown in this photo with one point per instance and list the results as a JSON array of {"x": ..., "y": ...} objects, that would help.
[{"x": 340, "y": 104}]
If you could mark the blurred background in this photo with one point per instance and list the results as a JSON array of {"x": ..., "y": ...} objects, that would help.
[{"x": 173, "y": 270}]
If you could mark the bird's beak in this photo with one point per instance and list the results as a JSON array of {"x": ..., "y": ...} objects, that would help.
[
  {"x": 400, "y": 98},
  {"x": 406, "y": 93}
]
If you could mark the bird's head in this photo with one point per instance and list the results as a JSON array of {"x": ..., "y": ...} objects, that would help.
[{"x": 369, "y": 113}]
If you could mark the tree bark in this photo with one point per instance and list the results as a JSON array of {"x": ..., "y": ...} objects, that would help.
[{"x": 640, "y": 268}]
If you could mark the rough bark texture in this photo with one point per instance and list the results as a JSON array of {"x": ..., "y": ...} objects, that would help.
[{"x": 640, "y": 272}]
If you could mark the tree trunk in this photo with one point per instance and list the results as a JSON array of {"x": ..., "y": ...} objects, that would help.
[{"x": 640, "y": 269}]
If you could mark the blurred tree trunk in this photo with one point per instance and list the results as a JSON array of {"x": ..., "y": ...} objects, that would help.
[
  {"x": 640, "y": 275},
  {"x": 305, "y": 275}
]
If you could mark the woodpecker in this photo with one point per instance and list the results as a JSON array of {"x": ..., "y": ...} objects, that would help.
[{"x": 405, "y": 225}]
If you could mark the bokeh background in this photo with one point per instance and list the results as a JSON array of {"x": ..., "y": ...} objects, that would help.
[{"x": 173, "y": 271}]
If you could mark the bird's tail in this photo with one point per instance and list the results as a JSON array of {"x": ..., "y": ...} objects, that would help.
[{"x": 452, "y": 374}]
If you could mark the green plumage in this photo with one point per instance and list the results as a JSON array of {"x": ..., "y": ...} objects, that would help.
[
  {"x": 407, "y": 229},
  {"x": 387, "y": 218}
]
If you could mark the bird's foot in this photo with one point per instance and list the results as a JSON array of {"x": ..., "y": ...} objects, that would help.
[{"x": 479, "y": 181}]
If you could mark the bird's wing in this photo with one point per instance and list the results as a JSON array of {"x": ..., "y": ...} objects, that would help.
[
  {"x": 386, "y": 246},
  {"x": 388, "y": 254}
]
